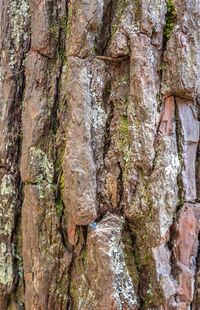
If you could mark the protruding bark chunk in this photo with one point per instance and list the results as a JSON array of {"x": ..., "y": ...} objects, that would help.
[{"x": 189, "y": 130}]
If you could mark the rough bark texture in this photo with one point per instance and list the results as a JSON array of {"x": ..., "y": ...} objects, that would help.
[{"x": 99, "y": 154}]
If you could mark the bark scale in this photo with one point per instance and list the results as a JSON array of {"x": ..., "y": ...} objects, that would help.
[{"x": 99, "y": 154}]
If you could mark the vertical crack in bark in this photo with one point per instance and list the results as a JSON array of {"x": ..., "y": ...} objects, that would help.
[
  {"x": 197, "y": 166},
  {"x": 16, "y": 234},
  {"x": 179, "y": 178},
  {"x": 105, "y": 33},
  {"x": 107, "y": 139},
  {"x": 120, "y": 189},
  {"x": 77, "y": 265}
]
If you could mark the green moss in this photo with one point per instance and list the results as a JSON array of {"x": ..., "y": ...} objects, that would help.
[
  {"x": 123, "y": 137},
  {"x": 170, "y": 18},
  {"x": 20, "y": 135},
  {"x": 84, "y": 256},
  {"x": 108, "y": 87},
  {"x": 137, "y": 123},
  {"x": 138, "y": 259},
  {"x": 21, "y": 104},
  {"x": 62, "y": 184},
  {"x": 57, "y": 24},
  {"x": 62, "y": 287},
  {"x": 180, "y": 191},
  {"x": 62, "y": 53},
  {"x": 55, "y": 31},
  {"x": 124, "y": 128},
  {"x": 145, "y": 191},
  {"x": 179, "y": 182},
  {"x": 116, "y": 104},
  {"x": 142, "y": 206},
  {"x": 78, "y": 288},
  {"x": 126, "y": 103},
  {"x": 119, "y": 12},
  {"x": 162, "y": 67},
  {"x": 100, "y": 198},
  {"x": 152, "y": 298},
  {"x": 144, "y": 235},
  {"x": 146, "y": 258},
  {"x": 59, "y": 208},
  {"x": 136, "y": 6},
  {"x": 129, "y": 252},
  {"x": 63, "y": 23},
  {"x": 57, "y": 165}
]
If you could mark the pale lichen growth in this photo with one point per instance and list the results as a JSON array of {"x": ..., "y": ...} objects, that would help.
[
  {"x": 19, "y": 12},
  {"x": 7, "y": 203},
  {"x": 42, "y": 168},
  {"x": 19, "y": 16},
  {"x": 6, "y": 268},
  {"x": 7, "y": 214},
  {"x": 172, "y": 169},
  {"x": 123, "y": 285},
  {"x": 6, "y": 185},
  {"x": 98, "y": 116}
]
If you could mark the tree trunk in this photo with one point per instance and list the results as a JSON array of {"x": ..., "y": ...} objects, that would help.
[{"x": 99, "y": 154}]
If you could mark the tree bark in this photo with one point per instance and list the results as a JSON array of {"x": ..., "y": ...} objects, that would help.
[{"x": 99, "y": 154}]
